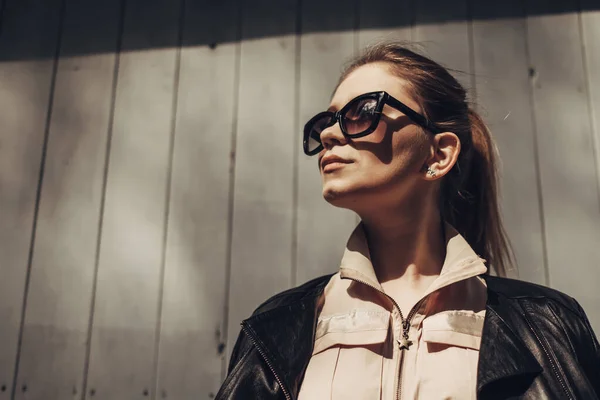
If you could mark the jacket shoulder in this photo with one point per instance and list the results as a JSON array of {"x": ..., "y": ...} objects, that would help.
[
  {"x": 293, "y": 295},
  {"x": 517, "y": 289}
]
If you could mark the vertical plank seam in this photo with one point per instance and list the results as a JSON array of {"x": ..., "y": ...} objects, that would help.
[
  {"x": 38, "y": 195},
  {"x": 232, "y": 164},
  {"x": 2, "y": 7},
  {"x": 111, "y": 117},
  {"x": 536, "y": 155},
  {"x": 295, "y": 177},
  {"x": 356, "y": 28},
  {"x": 357, "y": 43},
  {"x": 471, "y": 49},
  {"x": 412, "y": 22},
  {"x": 168, "y": 185},
  {"x": 590, "y": 98}
]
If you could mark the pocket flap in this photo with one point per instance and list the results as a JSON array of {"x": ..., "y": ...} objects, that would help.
[
  {"x": 454, "y": 328},
  {"x": 356, "y": 328}
]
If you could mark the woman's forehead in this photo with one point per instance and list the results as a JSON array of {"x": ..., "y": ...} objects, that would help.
[{"x": 371, "y": 78}]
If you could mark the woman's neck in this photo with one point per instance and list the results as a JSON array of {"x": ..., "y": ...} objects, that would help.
[{"x": 407, "y": 249}]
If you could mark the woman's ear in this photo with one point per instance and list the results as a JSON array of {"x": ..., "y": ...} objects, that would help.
[{"x": 445, "y": 148}]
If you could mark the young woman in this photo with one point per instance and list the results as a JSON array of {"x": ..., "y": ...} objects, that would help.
[{"x": 412, "y": 312}]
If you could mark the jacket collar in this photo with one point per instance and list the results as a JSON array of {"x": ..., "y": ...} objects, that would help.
[
  {"x": 499, "y": 339},
  {"x": 461, "y": 261}
]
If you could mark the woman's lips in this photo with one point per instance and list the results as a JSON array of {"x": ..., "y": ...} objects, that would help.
[
  {"x": 332, "y": 162},
  {"x": 334, "y": 165}
]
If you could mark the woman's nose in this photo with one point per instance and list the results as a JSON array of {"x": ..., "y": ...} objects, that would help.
[{"x": 332, "y": 136}]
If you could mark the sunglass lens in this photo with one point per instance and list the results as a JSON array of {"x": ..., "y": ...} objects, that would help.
[
  {"x": 360, "y": 115},
  {"x": 313, "y": 140}
]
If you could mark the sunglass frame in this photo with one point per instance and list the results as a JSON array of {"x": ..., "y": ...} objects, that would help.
[{"x": 382, "y": 99}]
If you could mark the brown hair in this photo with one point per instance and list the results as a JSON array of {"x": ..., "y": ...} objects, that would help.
[{"x": 469, "y": 192}]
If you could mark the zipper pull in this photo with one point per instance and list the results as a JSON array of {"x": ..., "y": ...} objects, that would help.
[{"x": 404, "y": 342}]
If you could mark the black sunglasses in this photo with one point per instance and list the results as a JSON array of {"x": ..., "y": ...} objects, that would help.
[{"x": 358, "y": 118}]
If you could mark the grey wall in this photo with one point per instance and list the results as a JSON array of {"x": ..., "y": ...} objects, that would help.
[{"x": 153, "y": 190}]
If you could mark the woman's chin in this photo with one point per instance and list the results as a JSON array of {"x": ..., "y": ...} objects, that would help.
[{"x": 337, "y": 194}]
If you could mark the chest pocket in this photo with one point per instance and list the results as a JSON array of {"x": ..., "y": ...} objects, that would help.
[
  {"x": 447, "y": 362},
  {"x": 347, "y": 357}
]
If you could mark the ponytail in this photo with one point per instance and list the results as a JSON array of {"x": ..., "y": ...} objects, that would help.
[{"x": 470, "y": 198}]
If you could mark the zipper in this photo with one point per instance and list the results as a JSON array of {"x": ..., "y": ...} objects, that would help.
[
  {"x": 405, "y": 344},
  {"x": 405, "y": 330},
  {"x": 264, "y": 356}
]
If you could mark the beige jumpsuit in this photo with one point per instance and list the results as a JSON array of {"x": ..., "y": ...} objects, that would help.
[{"x": 357, "y": 352}]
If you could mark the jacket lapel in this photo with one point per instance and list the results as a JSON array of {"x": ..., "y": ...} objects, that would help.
[
  {"x": 286, "y": 336},
  {"x": 503, "y": 355}
]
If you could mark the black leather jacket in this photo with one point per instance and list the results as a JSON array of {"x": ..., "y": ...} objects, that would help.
[{"x": 536, "y": 343}]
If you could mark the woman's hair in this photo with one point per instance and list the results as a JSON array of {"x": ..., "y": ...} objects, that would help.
[{"x": 469, "y": 192}]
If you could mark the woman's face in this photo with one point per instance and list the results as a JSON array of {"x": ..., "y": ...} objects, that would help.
[{"x": 384, "y": 167}]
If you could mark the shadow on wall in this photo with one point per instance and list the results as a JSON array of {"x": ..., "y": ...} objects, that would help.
[{"x": 87, "y": 44}]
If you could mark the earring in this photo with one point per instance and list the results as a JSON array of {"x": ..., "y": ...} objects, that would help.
[{"x": 430, "y": 172}]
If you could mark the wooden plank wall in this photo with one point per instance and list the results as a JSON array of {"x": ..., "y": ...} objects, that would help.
[
  {"x": 261, "y": 255},
  {"x": 25, "y": 89},
  {"x": 62, "y": 275},
  {"x": 503, "y": 89},
  {"x": 566, "y": 157},
  {"x": 193, "y": 322},
  {"x": 152, "y": 186}
]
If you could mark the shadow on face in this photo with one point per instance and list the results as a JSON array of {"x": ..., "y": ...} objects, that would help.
[{"x": 384, "y": 149}]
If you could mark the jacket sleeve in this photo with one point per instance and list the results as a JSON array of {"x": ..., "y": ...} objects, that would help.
[{"x": 589, "y": 354}]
